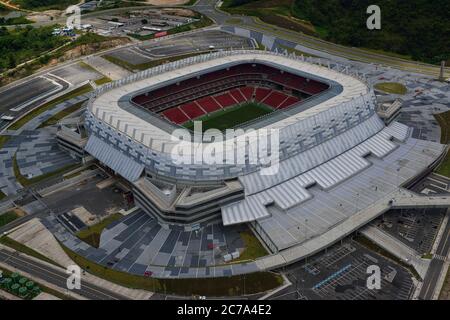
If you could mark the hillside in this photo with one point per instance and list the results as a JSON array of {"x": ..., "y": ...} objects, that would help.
[{"x": 415, "y": 28}]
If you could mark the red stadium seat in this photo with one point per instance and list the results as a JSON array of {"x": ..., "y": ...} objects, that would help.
[
  {"x": 192, "y": 110},
  {"x": 208, "y": 104},
  {"x": 237, "y": 95},
  {"x": 175, "y": 115},
  {"x": 288, "y": 102},
  {"x": 274, "y": 99},
  {"x": 261, "y": 93},
  {"x": 247, "y": 92},
  {"x": 225, "y": 100}
]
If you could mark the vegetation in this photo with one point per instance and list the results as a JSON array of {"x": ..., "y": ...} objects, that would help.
[
  {"x": 444, "y": 122},
  {"x": 8, "y": 273},
  {"x": 143, "y": 66},
  {"x": 88, "y": 38},
  {"x": 41, "y": 5},
  {"x": 7, "y": 241},
  {"x": 62, "y": 114},
  {"x": 102, "y": 80},
  {"x": 413, "y": 28},
  {"x": 23, "y": 44},
  {"x": 427, "y": 256},
  {"x": 84, "y": 44},
  {"x": 4, "y": 140},
  {"x": 445, "y": 292},
  {"x": 230, "y": 117},
  {"x": 212, "y": 287},
  {"x": 49, "y": 105},
  {"x": 29, "y": 294},
  {"x": 91, "y": 235},
  {"x": 391, "y": 87},
  {"x": 24, "y": 181},
  {"x": 14, "y": 21},
  {"x": 277, "y": 12},
  {"x": 252, "y": 247},
  {"x": 8, "y": 217},
  {"x": 2, "y": 195}
]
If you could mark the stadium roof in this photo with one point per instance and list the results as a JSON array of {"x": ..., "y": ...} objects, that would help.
[{"x": 106, "y": 105}]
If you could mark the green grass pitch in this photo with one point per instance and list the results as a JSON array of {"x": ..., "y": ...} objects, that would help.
[{"x": 230, "y": 117}]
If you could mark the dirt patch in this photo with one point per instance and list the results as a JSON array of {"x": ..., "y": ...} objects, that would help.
[
  {"x": 19, "y": 212},
  {"x": 69, "y": 54},
  {"x": 35, "y": 235},
  {"x": 179, "y": 12},
  {"x": 87, "y": 49},
  {"x": 45, "y": 16}
]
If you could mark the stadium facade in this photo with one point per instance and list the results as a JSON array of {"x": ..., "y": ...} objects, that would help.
[{"x": 336, "y": 157}]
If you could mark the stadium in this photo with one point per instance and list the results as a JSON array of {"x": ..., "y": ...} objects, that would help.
[{"x": 338, "y": 165}]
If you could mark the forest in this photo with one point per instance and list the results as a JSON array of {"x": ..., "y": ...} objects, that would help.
[
  {"x": 22, "y": 44},
  {"x": 418, "y": 29},
  {"x": 44, "y": 4}
]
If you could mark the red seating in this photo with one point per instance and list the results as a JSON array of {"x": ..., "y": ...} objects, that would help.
[
  {"x": 141, "y": 99},
  {"x": 237, "y": 95},
  {"x": 274, "y": 99},
  {"x": 314, "y": 87},
  {"x": 288, "y": 102},
  {"x": 175, "y": 115},
  {"x": 194, "y": 97},
  {"x": 208, "y": 104},
  {"x": 247, "y": 92},
  {"x": 192, "y": 110},
  {"x": 225, "y": 100},
  {"x": 261, "y": 93}
]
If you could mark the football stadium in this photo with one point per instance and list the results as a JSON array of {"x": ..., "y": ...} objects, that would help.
[{"x": 338, "y": 166}]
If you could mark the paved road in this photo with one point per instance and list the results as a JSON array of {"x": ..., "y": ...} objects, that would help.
[
  {"x": 435, "y": 268},
  {"x": 207, "y": 7},
  {"x": 56, "y": 277},
  {"x": 20, "y": 221}
]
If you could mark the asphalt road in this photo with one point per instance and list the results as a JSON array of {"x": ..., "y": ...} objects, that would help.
[
  {"x": 56, "y": 277},
  {"x": 435, "y": 268},
  {"x": 207, "y": 7},
  {"x": 20, "y": 221}
]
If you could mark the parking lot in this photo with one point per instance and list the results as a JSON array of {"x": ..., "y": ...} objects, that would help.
[
  {"x": 417, "y": 228},
  {"x": 143, "y": 22},
  {"x": 341, "y": 273},
  {"x": 199, "y": 41},
  {"x": 15, "y": 98},
  {"x": 99, "y": 202},
  {"x": 433, "y": 184},
  {"x": 179, "y": 45}
]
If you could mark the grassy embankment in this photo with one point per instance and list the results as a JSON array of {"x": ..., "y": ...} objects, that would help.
[
  {"x": 211, "y": 287},
  {"x": 391, "y": 87},
  {"x": 143, "y": 66},
  {"x": 91, "y": 235},
  {"x": 444, "y": 122}
]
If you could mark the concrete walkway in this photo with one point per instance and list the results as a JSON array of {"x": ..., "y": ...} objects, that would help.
[
  {"x": 108, "y": 69},
  {"x": 397, "y": 248}
]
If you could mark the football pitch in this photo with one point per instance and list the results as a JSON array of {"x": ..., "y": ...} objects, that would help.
[{"x": 230, "y": 117}]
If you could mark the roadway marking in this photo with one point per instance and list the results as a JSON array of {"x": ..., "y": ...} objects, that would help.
[{"x": 48, "y": 271}]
